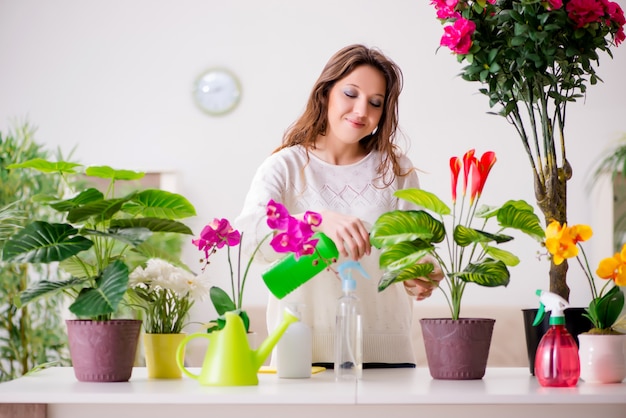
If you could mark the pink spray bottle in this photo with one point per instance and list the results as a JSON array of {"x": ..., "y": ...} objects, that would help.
[{"x": 556, "y": 363}]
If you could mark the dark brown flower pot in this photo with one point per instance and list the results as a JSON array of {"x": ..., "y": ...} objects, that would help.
[
  {"x": 457, "y": 350},
  {"x": 103, "y": 351}
]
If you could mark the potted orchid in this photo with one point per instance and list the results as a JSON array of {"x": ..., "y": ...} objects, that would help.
[
  {"x": 457, "y": 239},
  {"x": 289, "y": 235},
  {"x": 605, "y": 307},
  {"x": 533, "y": 58},
  {"x": 601, "y": 349}
]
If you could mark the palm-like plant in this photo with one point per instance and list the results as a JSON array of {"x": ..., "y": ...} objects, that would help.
[
  {"x": 103, "y": 238},
  {"x": 468, "y": 256}
]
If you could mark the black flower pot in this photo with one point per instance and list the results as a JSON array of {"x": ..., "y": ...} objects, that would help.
[{"x": 575, "y": 323}]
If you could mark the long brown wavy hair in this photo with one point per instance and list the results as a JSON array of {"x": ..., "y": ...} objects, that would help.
[{"x": 314, "y": 119}]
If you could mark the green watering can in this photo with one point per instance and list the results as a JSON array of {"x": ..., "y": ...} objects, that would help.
[{"x": 229, "y": 360}]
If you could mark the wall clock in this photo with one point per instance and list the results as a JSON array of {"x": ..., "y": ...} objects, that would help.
[{"x": 217, "y": 91}]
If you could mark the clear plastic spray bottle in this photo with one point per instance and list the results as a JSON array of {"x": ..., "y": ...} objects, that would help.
[
  {"x": 556, "y": 362},
  {"x": 348, "y": 327}
]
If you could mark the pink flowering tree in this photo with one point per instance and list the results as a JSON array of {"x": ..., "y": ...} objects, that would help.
[
  {"x": 289, "y": 235},
  {"x": 457, "y": 237},
  {"x": 533, "y": 58}
]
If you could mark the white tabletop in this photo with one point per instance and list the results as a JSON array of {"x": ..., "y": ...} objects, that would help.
[{"x": 510, "y": 392}]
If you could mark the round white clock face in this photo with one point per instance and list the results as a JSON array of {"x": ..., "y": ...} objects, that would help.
[{"x": 217, "y": 91}]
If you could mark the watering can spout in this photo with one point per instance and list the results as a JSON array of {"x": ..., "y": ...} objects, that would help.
[{"x": 270, "y": 342}]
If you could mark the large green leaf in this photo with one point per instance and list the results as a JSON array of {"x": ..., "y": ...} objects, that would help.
[
  {"x": 152, "y": 224},
  {"x": 413, "y": 272},
  {"x": 489, "y": 273},
  {"x": 508, "y": 258},
  {"x": 84, "y": 197},
  {"x": 46, "y": 288},
  {"x": 106, "y": 172},
  {"x": 45, "y": 166},
  {"x": 604, "y": 311},
  {"x": 43, "y": 242},
  {"x": 400, "y": 226},
  {"x": 520, "y": 215},
  {"x": 99, "y": 210},
  {"x": 403, "y": 254},
  {"x": 221, "y": 301},
  {"x": 466, "y": 236},
  {"x": 425, "y": 199},
  {"x": 160, "y": 204},
  {"x": 106, "y": 296},
  {"x": 130, "y": 236}
]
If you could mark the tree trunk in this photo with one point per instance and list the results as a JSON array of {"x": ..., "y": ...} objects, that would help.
[{"x": 552, "y": 200}]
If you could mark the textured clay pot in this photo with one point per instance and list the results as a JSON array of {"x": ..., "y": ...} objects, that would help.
[
  {"x": 103, "y": 351},
  {"x": 457, "y": 350},
  {"x": 575, "y": 323}
]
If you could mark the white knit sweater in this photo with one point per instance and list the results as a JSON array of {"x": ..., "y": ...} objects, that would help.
[{"x": 300, "y": 184}]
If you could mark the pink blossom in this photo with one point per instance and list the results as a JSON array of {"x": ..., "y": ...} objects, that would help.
[
  {"x": 216, "y": 234},
  {"x": 446, "y": 8},
  {"x": 615, "y": 12},
  {"x": 277, "y": 215},
  {"x": 584, "y": 12},
  {"x": 554, "y": 4},
  {"x": 458, "y": 36}
]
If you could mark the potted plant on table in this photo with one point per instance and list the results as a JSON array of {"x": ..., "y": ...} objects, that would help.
[
  {"x": 102, "y": 239},
  {"x": 164, "y": 294},
  {"x": 533, "y": 58},
  {"x": 602, "y": 347},
  {"x": 289, "y": 235},
  {"x": 229, "y": 361},
  {"x": 466, "y": 254}
]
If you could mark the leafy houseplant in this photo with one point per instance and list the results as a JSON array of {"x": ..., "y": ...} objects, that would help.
[
  {"x": 290, "y": 235},
  {"x": 467, "y": 256},
  {"x": 102, "y": 238},
  {"x": 533, "y": 58},
  {"x": 605, "y": 307},
  {"x": 165, "y": 293},
  {"x": 30, "y": 336}
]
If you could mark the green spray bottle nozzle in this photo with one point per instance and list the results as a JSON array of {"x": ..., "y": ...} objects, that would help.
[
  {"x": 550, "y": 302},
  {"x": 345, "y": 273}
]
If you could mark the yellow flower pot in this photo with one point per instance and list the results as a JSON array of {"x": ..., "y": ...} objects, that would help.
[{"x": 160, "y": 354}]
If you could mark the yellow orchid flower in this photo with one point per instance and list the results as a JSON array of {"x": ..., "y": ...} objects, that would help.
[
  {"x": 561, "y": 240},
  {"x": 614, "y": 268}
]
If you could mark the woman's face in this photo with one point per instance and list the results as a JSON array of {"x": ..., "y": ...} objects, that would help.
[{"x": 355, "y": 105}]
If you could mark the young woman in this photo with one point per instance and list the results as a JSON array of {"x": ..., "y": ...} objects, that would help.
[{"x": 340, "y": 159}]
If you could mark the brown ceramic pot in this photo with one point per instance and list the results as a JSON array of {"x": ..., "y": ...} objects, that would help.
[
  {"x": 457, "y": 350},
  {"x": 103, "y": 351}
]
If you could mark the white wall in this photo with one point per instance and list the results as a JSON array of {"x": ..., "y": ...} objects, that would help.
[{"x": 114, "y": 79}]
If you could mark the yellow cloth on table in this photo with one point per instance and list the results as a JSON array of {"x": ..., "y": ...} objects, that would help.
[{"x": 272, "y": 370}]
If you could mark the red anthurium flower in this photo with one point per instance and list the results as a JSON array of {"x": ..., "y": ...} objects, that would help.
[
  {"x": 476, "y": 180},
  {"x": 485, "y": 164},
  {"x": 468, "y": 158},
  {"x": 455, "y": 169}
]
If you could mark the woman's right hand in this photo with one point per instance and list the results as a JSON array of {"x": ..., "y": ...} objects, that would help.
[{"x": 348, "y": 233}]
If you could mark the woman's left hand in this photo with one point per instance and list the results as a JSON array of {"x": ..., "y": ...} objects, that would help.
[{"x": 421, "y": 288}]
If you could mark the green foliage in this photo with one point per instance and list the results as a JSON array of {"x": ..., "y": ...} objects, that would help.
[
  {"x": 101, "y": 239},
  {"x": 29, "y": 336},
  {"x": 407, "y": 236}
]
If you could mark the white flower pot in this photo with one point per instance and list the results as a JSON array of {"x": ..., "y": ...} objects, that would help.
[{"x": 602, "y": 358}]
